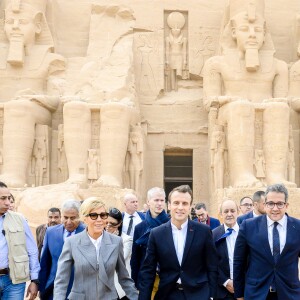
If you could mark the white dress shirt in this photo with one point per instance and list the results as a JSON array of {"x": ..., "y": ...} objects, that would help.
[
  {"x": 230, "y": 241},
  {"x": 97, "y": 244},
  {"x": 281, "y": 227},
  {"x": 136, "y": 220},
  {"x": 179, "y": 238}
]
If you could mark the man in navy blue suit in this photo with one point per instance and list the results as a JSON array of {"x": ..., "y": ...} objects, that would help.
[
  {"x": 225, "y": 237},
  {"x": 184, "y": 253},
  {"x": 154, "y": 217},
  {"x": 267, "y": 251},
  {"x": 259, "y": 207},
  {"x": 53, "y": 244},
  {"x": 204, "y": 218}
]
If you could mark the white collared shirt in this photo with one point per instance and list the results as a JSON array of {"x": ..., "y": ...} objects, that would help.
[
  {"x": 96, "y": 243},
  {"x": 281, "y": 227},
  {"x": 230, "y": 241},
  {"x": 66, "y": 233},
  {"x": 136, "y": 220},
  {"x": 179, "y": 238},
  {"x": 254, "y": 214}
]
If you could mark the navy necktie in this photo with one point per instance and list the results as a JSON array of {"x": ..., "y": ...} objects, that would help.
[
  {"x": 69, "y": 233},
  {"x": 276, "y": 250},
  {"x": 276, "y": 243},
  {"x": 225, "y": 235},
  {"x": 130, "y": 225}
]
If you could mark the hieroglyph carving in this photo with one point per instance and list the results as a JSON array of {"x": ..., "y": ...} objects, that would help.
[
  {"x": 93, "y": 165},
  {"x": 136, "y": 158},
  {"x": 62, "y": 160},
  {"x": 244, "y": 78},
  {"x": 27, "y": 66},
  {"x": 176, "y": 63}
]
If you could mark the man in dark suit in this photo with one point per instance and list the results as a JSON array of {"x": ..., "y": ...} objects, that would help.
[
  {"x": 184, "y": 253},
  {"x": 267, "y": 251},
  {"x": 259, "y": 207},
  {"x": 155, "y": 216},
  {"x": 225, "y": 237},
  {"x": 204, "y": 218},
  {"x": 131, "y": 217},
  {"x": 53, "y": 244}
]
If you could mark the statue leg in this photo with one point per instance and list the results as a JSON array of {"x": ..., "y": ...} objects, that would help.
[
  {"x": 77, "y": 139},
  {"x": 20, "y": 118},
  {"x": 239, "y": 116},
  {"x": 114, "y": 133},
  {"x": 275, "y": 140}
]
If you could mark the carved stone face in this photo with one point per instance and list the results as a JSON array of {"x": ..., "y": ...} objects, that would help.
[
  {"x": 21, "y": 25},
  {"x": 248, "y": 35},
  {"x": 176, "y": 32}
]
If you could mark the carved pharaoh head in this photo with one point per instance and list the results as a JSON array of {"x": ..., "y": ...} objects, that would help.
[
  {"x": 26, "y": 19},
  {"x": 248, "y": 26}
]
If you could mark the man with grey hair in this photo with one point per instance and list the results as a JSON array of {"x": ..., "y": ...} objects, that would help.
[
  {"x": 266, "y": 252},
  {"x": 155, "y": 216},
  {"x": 131, "y": 217},
  {"x": 53, "y": 244}
]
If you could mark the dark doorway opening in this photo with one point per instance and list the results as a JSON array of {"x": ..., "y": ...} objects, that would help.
[{"x": 178, "y": 168}]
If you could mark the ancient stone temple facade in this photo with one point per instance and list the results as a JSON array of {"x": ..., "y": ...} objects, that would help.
[{"x": 102, "y": 96}]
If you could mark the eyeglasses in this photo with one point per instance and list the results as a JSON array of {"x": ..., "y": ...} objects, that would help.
[
  {"x": 247, "y": 204},
  {"x": 94, "y": 216},
  {"x": 279, "y": 205}
]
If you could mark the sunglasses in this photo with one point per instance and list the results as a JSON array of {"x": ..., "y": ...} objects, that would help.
[{"x": 94, "y": 216}]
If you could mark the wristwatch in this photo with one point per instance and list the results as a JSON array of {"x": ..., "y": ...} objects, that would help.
[{"x": 36, "y": 281}]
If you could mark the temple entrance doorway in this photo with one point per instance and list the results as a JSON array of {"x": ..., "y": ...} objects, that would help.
[{"x": 178, "y": 168}]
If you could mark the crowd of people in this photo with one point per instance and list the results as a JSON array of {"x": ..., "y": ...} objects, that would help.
[{"x": 168, "y": 252}]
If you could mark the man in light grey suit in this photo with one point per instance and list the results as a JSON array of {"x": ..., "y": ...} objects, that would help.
[{"x": 96, "y": 255}]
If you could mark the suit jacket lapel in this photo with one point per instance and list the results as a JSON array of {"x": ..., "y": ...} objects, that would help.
[
  {"x": 106, "y": 250},
  {"x": 170, "y": 242},
  {"x": 223, "y": 244},
  {"x": 290, "y": 232},
  {"x": 88, "y": 250},
  {"x": 188, "y": 241},
  {"x": 263, "y": 237}
]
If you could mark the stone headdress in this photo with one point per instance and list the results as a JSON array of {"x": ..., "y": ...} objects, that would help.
[{"x": 252, "y": 8}]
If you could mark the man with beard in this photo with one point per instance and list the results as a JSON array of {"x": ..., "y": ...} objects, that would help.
[
  {"x": 155, "y": 216},
  {"x": 54, "y": 218}
]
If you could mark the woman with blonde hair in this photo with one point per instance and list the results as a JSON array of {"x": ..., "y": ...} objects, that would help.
[{"x": 95, "y": 255}]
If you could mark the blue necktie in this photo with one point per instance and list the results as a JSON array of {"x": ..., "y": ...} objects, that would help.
[
  {"x": 225, "y": 235},
  {"x": 69, "y": 233},
  {"x": 276, "y": 243}
]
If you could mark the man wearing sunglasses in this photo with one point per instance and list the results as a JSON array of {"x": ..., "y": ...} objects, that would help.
[
  {"x": 266, "y": 252},
  {"x": 53, "y": 244}
]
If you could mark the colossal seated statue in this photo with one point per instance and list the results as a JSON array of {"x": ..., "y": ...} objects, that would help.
[
  {"x": 245, "y": 79},
  {"x": 27, "y": 67},
  {"x": 105, "y": 83}
]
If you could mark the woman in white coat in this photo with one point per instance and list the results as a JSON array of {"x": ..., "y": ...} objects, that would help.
[{"x": 114, "y": 226}]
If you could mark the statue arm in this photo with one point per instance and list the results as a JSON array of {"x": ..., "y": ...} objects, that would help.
[
  {"x": 280, "y": 84},
  {"x": 212, "y": 83},
  {"x": 167, "y": 52},
  {"x": 294, "y": 85}
]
